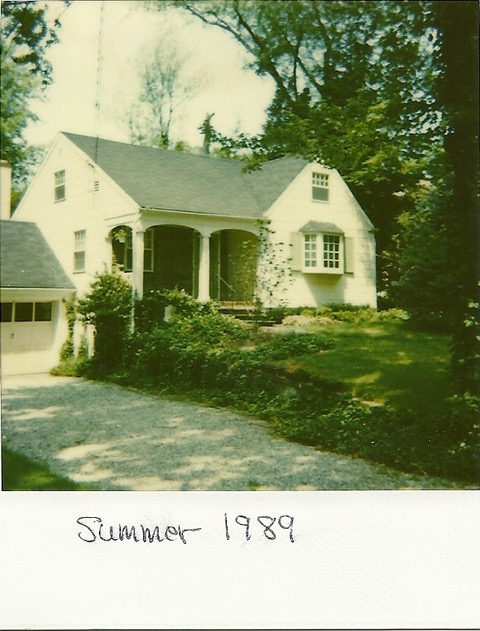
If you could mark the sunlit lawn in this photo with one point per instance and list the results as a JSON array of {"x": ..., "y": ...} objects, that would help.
[
  {"x": 387, "y": 363},
  {"x": 22, "y": 474}
]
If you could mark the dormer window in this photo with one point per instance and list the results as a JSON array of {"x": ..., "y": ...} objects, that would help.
[
  {"x": 320, "y": 187},
  {"x": 59, "y": 186}
]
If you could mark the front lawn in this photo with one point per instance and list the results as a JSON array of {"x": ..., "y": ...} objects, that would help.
[
  {"x": 386, "y": 363},
  {"x": 19, "y": 473}
]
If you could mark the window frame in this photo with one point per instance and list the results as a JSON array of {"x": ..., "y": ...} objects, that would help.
[
  {"x": 148, "y": 248},
  {"x": 126, "y": 265},
  {"x": 320, "y": 187},
  {"x": 46, "y": 316},
  {"x": 6, "y": 308},
  {"x": 321, "y": 243},
  {"x": 79, "y": 248},
  {"x": 32, "y": 311},
  {"x": 27, "y": 307},
  {"x": 60, "y": 191}
]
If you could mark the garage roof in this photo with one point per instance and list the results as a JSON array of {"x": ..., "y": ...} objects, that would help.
[{"x": 26, "y": 260}]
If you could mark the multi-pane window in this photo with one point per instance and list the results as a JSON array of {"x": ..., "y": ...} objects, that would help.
[
  {"x": 59, "y": 186},
  {"x": 26, "y": 311},
  {"x": 320, "y": 187},
  {"x": 321, "y": 253},
  {"x": 310, "y": 251},
  {"x": 331, "y": 251},
  {"x": 79, "y": 251}
]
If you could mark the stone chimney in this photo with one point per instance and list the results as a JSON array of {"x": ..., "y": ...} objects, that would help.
[{"x": 5, "y": 189}]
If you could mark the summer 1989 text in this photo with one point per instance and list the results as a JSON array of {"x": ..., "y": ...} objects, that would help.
[{"x": 241, "y": 528}]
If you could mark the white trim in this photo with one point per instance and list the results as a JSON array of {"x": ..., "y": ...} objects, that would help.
[
  {"x": 320, "y": 251},
  {"x": 202, "y": 214},
  {"x": 58, "y": 290}
]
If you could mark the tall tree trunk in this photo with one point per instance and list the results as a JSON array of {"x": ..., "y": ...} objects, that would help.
[{"x": 457, "y": 23}]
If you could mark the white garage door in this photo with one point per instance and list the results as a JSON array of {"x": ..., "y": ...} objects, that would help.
[{"x": 27, "y": 336}]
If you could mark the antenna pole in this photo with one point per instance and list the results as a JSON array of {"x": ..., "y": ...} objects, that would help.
[{"x": 99, "y": 78}]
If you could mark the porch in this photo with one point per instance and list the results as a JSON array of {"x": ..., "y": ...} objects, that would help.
[{"x": 218, "y": 264}]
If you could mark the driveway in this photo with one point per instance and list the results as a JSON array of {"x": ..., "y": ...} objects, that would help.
[{"x": 118, "y": 439}]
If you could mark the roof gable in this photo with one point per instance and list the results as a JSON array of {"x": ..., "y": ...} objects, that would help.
[
  {"x": 171, "y": 180},
  {"x": 26, "y": 259}
]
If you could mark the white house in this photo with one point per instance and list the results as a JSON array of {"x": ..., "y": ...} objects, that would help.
[{"x": 169, "y": 219}]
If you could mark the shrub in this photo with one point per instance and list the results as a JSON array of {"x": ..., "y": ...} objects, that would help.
[
  {"x": 397, "y": 439},
  {"x": 150, "y": 311},
  {"x": 184, "y": 306},
  {"x": 108, "y": 306},
  {"x": 72, "y": 367},
  {"x": 183, "y": 349},
  {"x": 293, "y": 344},
  {"x": 346, "y": 312}
]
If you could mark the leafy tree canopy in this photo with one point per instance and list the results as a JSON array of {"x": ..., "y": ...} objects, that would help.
[
  {"x": 334, "y": 61},
  {"x": 25, "y": 73}
]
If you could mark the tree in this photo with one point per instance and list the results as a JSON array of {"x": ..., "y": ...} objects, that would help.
[
  {"x": 457, "y": 98},
  {"x": 25, "y": 73},
  {"x": 425, "y": 283},
  {"x": 353, "y": 90},
  {"x": 165, "y": 88}
]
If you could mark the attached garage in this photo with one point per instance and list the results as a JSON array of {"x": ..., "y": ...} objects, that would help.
[{"x": 33, "y": 289}]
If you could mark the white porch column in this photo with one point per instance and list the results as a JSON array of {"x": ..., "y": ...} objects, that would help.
[
  {"x": 204, "y": 269},
  {"x": 138, "y": 238}
]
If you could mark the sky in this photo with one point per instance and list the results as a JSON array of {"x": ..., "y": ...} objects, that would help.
[{"x": 237, "y": 96}]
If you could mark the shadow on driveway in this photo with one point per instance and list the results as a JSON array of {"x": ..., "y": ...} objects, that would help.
[{"x": 118, "y": 439}]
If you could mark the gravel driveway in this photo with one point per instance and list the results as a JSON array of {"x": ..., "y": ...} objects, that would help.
[{"x": 118, "y": 439}]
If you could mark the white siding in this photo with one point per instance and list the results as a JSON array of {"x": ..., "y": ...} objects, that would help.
[
  {"x": 84, "y": 208},
  {"x": 294, "y": 209}
]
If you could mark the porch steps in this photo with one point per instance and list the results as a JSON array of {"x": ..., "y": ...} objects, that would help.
[{"x": 245, "y": 314}]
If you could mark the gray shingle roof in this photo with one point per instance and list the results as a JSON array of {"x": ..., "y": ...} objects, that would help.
[
  {"x": 26, "y": 259},
  {"x": 318, "y": 226},
  {"x": 171, "y": 180}
]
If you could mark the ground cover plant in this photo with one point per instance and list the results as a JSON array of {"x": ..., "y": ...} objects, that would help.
[{"x": 341, "y": 378}]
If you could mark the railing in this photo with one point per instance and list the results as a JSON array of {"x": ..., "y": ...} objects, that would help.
[{"x": 232, "y": 289}]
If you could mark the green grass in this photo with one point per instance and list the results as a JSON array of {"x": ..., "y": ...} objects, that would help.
[
  {"x": 386, "y": 362},
  {"x": 22, "y": 474}
]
